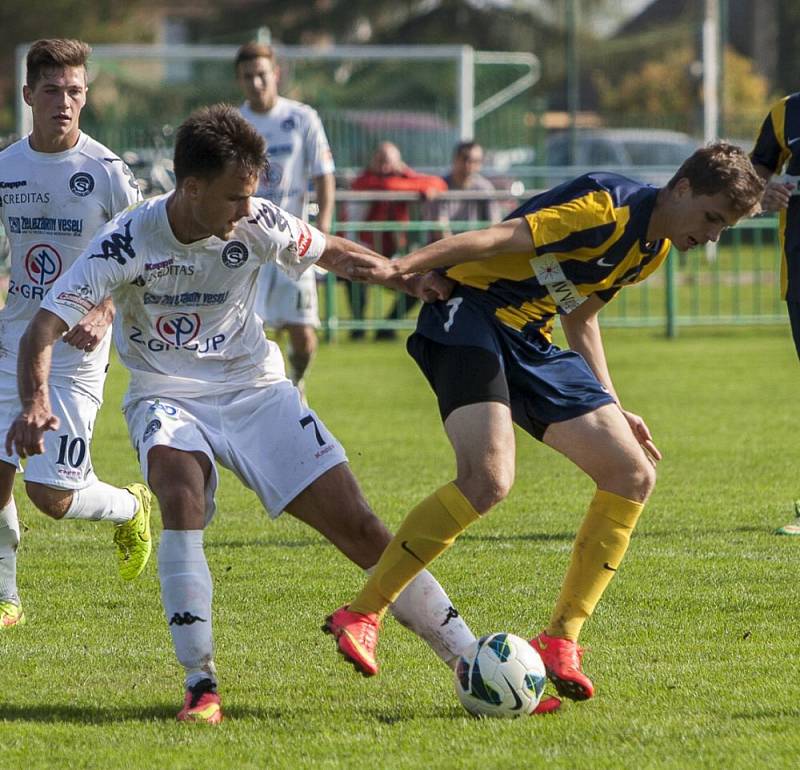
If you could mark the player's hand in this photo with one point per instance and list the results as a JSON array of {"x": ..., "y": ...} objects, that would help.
[
  {"x": 776, "y": 196},
  {"x": 26, "y": 434},
  {"x": 89, "y": 332},
  {"x": 369, "y": 269},
  {"x": 433, "y": 286},
  {"x": 643, "y": 436}
]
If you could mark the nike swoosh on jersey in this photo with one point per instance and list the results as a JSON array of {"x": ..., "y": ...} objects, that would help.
[
  {"x": 602, "y": 263},
  {"x": 609, "y": 567}
]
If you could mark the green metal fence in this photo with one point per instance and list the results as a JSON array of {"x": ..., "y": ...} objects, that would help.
[{"x": 735, "y": 283}]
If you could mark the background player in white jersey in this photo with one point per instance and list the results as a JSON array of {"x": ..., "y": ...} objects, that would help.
[
  {"x": 207, "y": 385},
  {"x": 298, "y": 152},
  {"x": 57, "y": 187}
]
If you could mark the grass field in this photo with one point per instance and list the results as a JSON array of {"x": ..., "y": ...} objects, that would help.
[{"x": 694, "y": 649}]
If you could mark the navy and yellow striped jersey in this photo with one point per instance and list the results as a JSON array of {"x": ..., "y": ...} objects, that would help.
[
  {"x": 588, "y": 237},
  {"x": 778, "y": 149}
]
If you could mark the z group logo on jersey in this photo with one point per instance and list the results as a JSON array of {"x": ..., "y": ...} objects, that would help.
[
  {"x": 81, "y": 184},
  {"x": 178, "y": 329},
  {"x": 235, "y": 254},
  {"x": 43, "y": 264}
]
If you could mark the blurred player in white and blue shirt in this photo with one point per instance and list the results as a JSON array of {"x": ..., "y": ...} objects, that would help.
[
  {"x": 57, "y": 187},
  {"x": 298, "y": 152},
  {"x": 207, "y": 386}
]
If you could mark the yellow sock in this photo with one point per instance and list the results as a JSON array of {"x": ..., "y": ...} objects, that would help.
[
  {"x": 600, "y": 544},
  {"x": 427, "y": 531}
]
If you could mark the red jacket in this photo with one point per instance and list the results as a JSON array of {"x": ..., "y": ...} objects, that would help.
[{"x": 393, "y": 211}]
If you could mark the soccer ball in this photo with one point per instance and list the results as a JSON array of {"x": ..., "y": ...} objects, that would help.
[{"x": 500, "y": 675}]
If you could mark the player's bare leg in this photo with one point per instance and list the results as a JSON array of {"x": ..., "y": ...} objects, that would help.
[
  {"x": 602, "y": 444},
  {"x": 127, "y": 508},
  {"x": 335, "y": 507},
  {"x": 178, "y": 480},
  {"x": 302, "y": 347},
  {"x": 11, "y": 613},
  {"x": 483, "y": 437}
]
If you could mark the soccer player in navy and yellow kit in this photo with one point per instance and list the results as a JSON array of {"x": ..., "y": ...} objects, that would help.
[
  {"x": 488, "y": 354},
  {"x": 777, "y": 151}
]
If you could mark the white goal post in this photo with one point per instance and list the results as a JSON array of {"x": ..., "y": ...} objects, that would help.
[{"x": 464, "y": 57}]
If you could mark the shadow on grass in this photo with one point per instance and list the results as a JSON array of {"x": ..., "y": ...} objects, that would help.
[
  {"x": 99, "y": 715},
  {"x": 88, "y": 715}
]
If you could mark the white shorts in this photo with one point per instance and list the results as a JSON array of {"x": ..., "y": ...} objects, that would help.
[
  {"x": 67, "y": 460},
  {"x": 275, "y": 445},
  {"x": 281, "y": 301}
]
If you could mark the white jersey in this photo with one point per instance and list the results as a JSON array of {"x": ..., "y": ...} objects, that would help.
[
  {"x": 297, "y": 149},
  {"x": 51, "y": 204},
  {"x": 185, "y": 325}
]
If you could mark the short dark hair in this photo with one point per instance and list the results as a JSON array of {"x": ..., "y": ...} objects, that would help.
[
  {"x": 253, "y": 50},
  {"x": 211, "y": 138},
  {"x": 54, "y": 52},
  {"x": 722, "y": 167},
  {"x": 463, "y": 148}
]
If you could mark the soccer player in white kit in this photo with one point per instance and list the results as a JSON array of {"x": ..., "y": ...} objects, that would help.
[
  {"x": 298, "y": 152},
  {"x": 206, "y": 385},
  {"x": 57, "y": 187}
]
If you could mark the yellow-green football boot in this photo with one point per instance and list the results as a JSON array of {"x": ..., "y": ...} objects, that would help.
[
  {"x": 11, "y": 615},
  {"x": 132, "y": 538}
]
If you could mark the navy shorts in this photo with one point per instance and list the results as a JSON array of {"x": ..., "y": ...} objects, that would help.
[
  {"x": 794, "y": 319},
  {"x": 469, "y": 357}
]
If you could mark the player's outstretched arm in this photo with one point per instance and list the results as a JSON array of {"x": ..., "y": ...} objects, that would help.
[
  {"x": 26, "y": 434},
  {"x": 342, "y": 255},
  {"x": 511, "y": 237}
]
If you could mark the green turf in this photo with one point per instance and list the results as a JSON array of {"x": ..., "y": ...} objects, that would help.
[{"x": 694, "y": 648}]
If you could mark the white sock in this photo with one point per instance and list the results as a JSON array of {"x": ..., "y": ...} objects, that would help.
[
  {"x": 9, "y": 540},
  {"x": 424, "y": 608},
  {"x": 102, "y": 502},
  {"x": 186, "y": 593}
]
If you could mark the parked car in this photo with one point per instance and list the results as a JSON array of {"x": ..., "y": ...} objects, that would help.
[{"x": 651, "y": 155}]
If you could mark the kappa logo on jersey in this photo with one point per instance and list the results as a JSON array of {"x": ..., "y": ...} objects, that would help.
[
  {"x": 81, "y": 184},
  {"x": 125, "y": 170},
  {"x": 235, "y": 254},
  {"x": 178, "y": 329},
  {"x": 42, "y": 264},
  {"x": 271, "y": 216},
  {"x": 116, "y": 245}
]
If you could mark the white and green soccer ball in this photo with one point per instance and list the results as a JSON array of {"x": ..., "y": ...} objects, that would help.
[{"x": 500, "y": 675}]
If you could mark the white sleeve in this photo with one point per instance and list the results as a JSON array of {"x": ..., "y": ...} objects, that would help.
[
  {"x": 124, "y": 188},
  {"x": 291, "y": 243},
  {"x": 318, "y": 149},
  {"x": 109, "y": 261}
]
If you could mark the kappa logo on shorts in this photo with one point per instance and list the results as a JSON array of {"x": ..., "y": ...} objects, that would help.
[
  {"x": 178, "y": 329},
  {"x": 151, "y": 428},
  {"x": 235, "y": 254},
  {"x": 43, "y": 264},
  {"x": 81, "y": 184}
]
